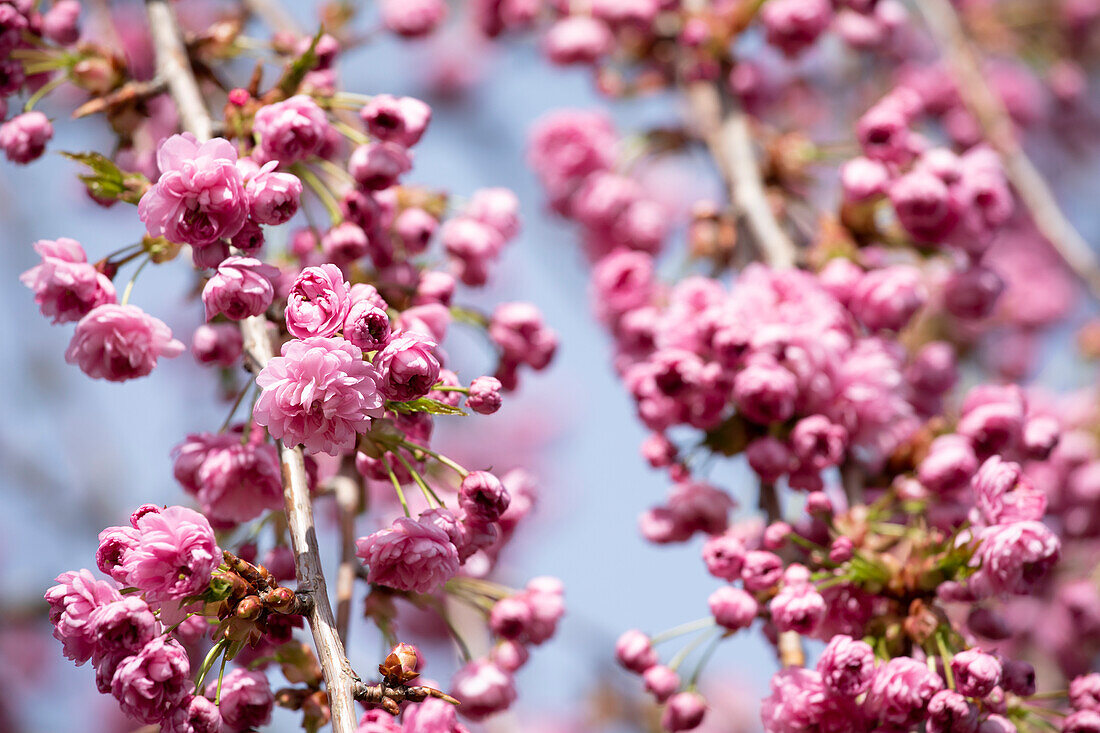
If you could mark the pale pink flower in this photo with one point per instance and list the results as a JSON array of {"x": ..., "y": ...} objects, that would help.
[
  {"x": 319, "y": 394},
  {"x": 153, "y": 682},
  {"x": 289, "y": 131},
  {"x": 409, "y": 555},
  {"x": 318, "y": 302},
  {"x": 483, "y": 688},
  {"x": 120, "y": 342},
  {"x": 23, "y": 138},
  {"x": 195, "y": 715},
  {"x": 273, "y": 197},
  {"x": 175, "y": 554},
  {"x": 407, "y": 366},
  {"x": 242, "y": 287},
  {"x": 246, "y": 699},
  {"x": 72, "y": 601},
  {"x": 65, "y": 286},
  {"x": 199, "y": 198}
]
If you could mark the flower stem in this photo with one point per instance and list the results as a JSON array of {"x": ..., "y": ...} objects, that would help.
[
  {"x": 675, "y": 631},
  {"x": 429, "y": 495},
  {"x": 437, "y": 456},
  {"x": 130, "y": 285},
  {"x": 396, "y": 486},
  {"x": 327, "y": 199}
]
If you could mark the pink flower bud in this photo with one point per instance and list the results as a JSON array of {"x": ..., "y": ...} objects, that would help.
[
  {"x": 24, "y": 137},
  {"x": 972, "y": 293},
  {"x": 482, "y": 496},
  {"x": 497, "y": 208},
  {"x": 798, "y": 607},
  {"x": 484, "y": 396},
  {"x": 950, "y": 712},
  {"x": 661, "y": 682},
  {"x": 219, "y": 344},
  {"x": 684, "y": 711},
  {"x": 413, "y": 18},
  {"x": 863, "y": 179},
  {"x": 407, "y": 366},
  {"x": 375, "y": 166},
  {"x": 415, "y": 227},
  {"x": 318, "y": 302},
  {"x": 761, "y": 570},
  {"x": 289, "y": 131},
  {"x": 65, "y": 286},
  {"x": 976, "y": 673},
  {"x": 367, "y": 326},
  {"x": 246, "y": 699},
  {"x": 794, "y": 25},
  {"x": 509, "y": 655},
  {"x": 732, "y": 608},
  {"x": 634, "y": 651},
  {"x": 483, "y": 688},
  {"x": 577, "y": 39},
  {"x": 242, "y": 287},
  {"x": 153, "y": 681},
  {"x": 59, "y": 23},
  {"x": 400, "y": 120},
  {"x": 273, "y": 197},
  {"x": 764, "y": 391},
  {"x": 885, "y": 300}
]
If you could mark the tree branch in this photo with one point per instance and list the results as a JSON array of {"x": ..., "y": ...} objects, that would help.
[
  {"x": 989, "y": 110},
  {"x": 174, "y": 66},
  {"x": 724, "y": 126},
  {"x": 348, "y": 493}
]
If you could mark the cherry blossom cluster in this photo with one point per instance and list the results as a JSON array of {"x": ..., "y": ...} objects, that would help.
[{"x": 358, "y": 309}]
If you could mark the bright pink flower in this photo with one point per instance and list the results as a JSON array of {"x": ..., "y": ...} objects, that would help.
[
  {"x": 194, "y": 715},
  {"x": 122, "y": 627},
  {"x": 1082, "y": 721},
  {"x": 510, "y": 617},
  {"x": 885, "y": 300},
  {"x": 846, "y": 665},
  {"x": 950, "y": 712},
  {"x": 242, "y": 287},
  {"x": 483, "y": 688},
  {"x": 976, "y": 672},
  {"x": 367, "y": 326},
  {"x": 273, "y": 197},
  {"x": 120, "y": 342},
  {"x": 199, "y": 198},
  {"x": 289, "y": 131},
  {"x": 1084, "y": 692},
  {"x": 409, "y": 555},
  {"x": 72, "y": 602},
  {"x": 246, "y": 699},
  {"x": 798, "y": 607},
  {"x": 863, "y": 179},
  {"x": 949, "y": 464},
  {"x": 472, "y": 245},
  {"x": 65, "y": 286},
  {"x": 23, "y": 138},
  {"x": 924, "y": 205},
  {"x": 1004, "y": 494},
  {"x": 900, "y": 691},
  {"x": 765, "y": 391},
  {"x": 175, "y": 555},
  {"x": 401, "y": 120},
  {"x": 623, "y": 281},
  {"x": 153, "y": 682},
  {"x": 318, "y": 302},
  {"x": 1014, "y": 557},
  {"x": 761, "y": 570},
  {"x": 818, "y": 443},
  {"x": 483, "y": 497},
  {"x": 407, "y": 366},
  {"x": 220, "y": 344},
  {"x": 319, "y": 394},
  {"x": 415, "y": 227},
  {"x": 238, "y": 482}
]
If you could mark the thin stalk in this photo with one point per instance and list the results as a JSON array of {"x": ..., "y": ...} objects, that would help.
[
  {"x": 396, "y": 486},
  {"x": 130, "y": 285}
]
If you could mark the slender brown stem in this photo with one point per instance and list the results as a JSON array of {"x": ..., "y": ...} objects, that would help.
[
  {"x": 997, "y": 128},
  {"x": 725, "y": 128},
  {"x": 174, "y": 66}
]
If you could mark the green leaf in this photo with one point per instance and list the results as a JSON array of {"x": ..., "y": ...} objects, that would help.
[
  {"x": 424, "y": 404},
  {"x": 297, "y": 70},
  {"x": 107, "y": 181}
]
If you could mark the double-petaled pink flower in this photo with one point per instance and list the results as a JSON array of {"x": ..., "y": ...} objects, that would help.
[
  {"x": 120, "y": 342},
  {"x": 200, "y": 197},
  {"x": 319, "y": 393}
]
